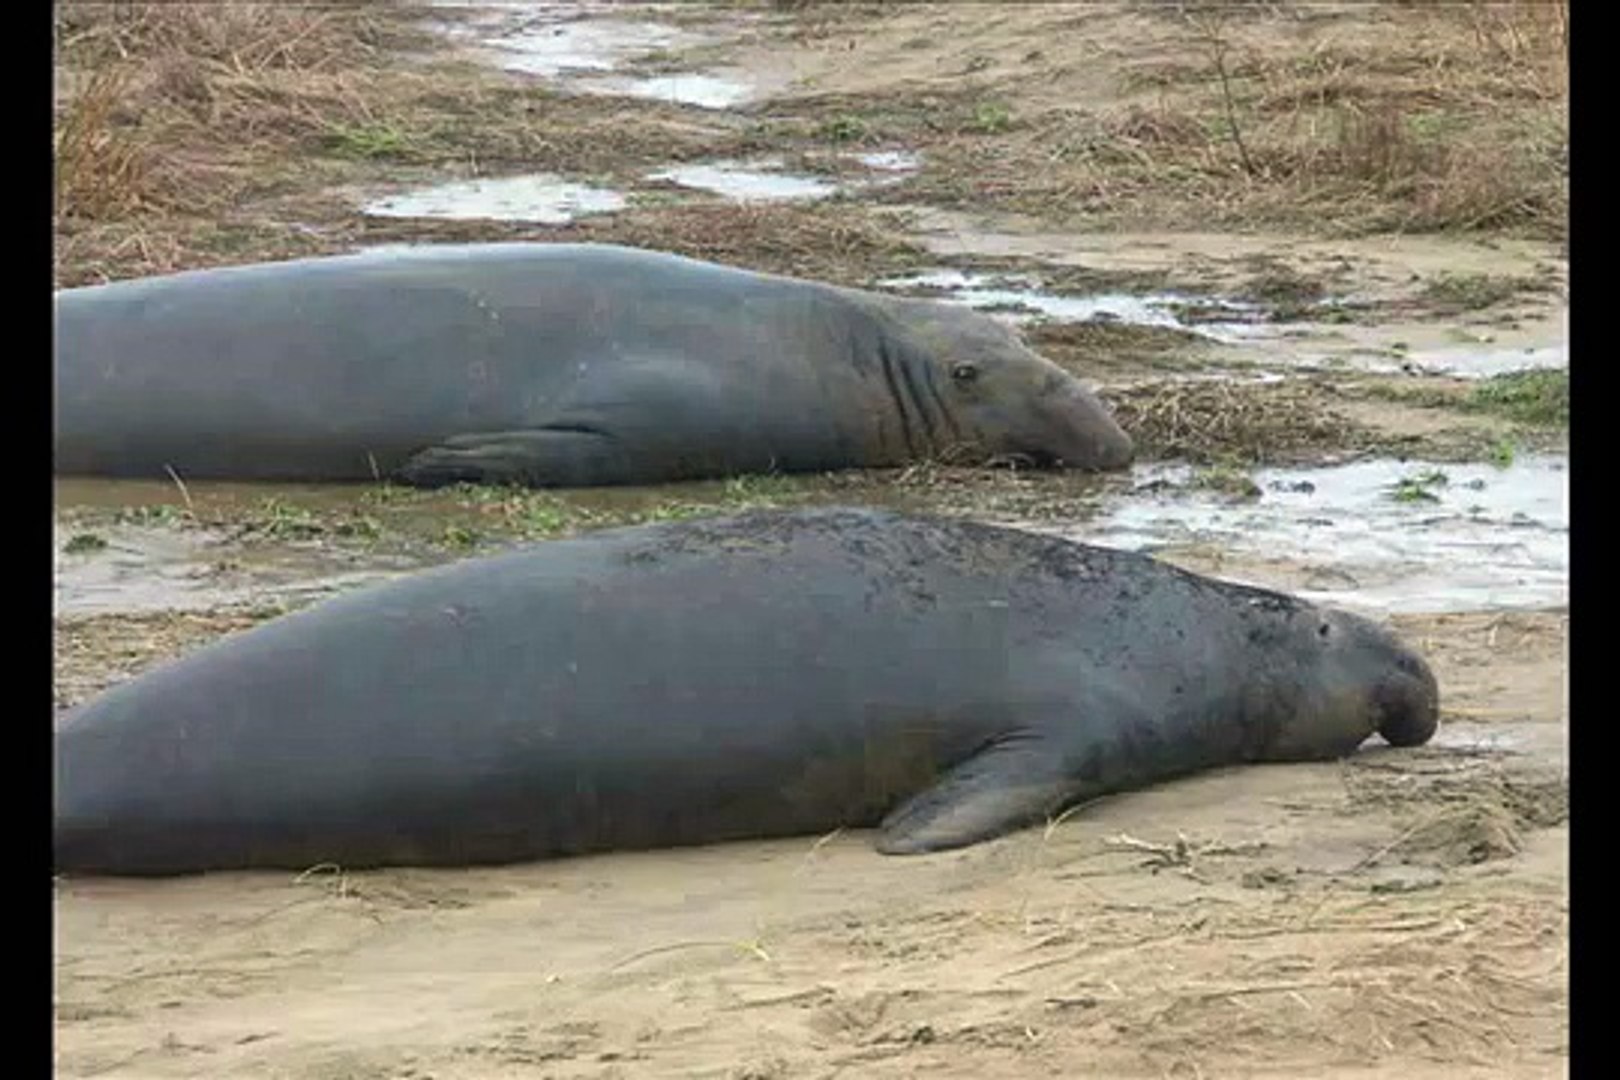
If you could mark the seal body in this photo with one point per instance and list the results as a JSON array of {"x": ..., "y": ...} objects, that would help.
[
  {"x": 768, "y": 674},
  {"x": 543, "y": 365}
]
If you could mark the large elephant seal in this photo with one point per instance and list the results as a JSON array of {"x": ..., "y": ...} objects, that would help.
[
  {"x": 770, "y": 674},
  {"x": 544, "y": 365}
]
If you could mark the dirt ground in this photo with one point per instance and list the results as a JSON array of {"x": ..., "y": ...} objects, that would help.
[{"x": 1399, "y": 914}]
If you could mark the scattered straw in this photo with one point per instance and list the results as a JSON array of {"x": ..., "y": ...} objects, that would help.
[{"x": 1208, "y": 420}]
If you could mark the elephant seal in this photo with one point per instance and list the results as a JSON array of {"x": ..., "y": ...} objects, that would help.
[
  {"x": 768, "y": 674},
  {"x": 547, "y": 365}
]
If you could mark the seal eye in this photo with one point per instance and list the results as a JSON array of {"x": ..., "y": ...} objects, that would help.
[
  {"x": 1322, "y": 631},
  {"x": 964, "y": 373}
]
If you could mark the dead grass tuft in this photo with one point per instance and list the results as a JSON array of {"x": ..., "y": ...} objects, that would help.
[
  {"x": 1095, "y": 345},
  {"x": 201, "y": 134},
  {"x": 1388, "y": 117},
  {"x": 94, "y": 652},
  {"x": 827, "y": 241},
  {"x": 101, "y": 171},
  {"x": 1221, "y": 420},
  {"x": 189, "y": 107}
]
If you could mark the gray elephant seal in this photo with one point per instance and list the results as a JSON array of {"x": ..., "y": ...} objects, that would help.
[
  {"x": 543, "y": 365},
  {"x": 769, "y": 674}
]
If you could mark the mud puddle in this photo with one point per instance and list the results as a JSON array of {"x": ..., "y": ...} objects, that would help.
[
  {"x": 1297, "y": 343},
  {"x": 767, "y": 180},
  {"x": 1453, "y": 352},
  {"x": 1472, "y": 364},
  {"x": 1542, "y": 742},
  {"x": 1019, "y": 298},
  {"x": 891, "y": 161},
  {"x": 142, "y": 569},
  {"x": 706, "y": 91},
  {"x": 141, "y": 546},
  {"x": 1380, "y": 535},
  {"x": 542, "y": 198},
  {"x": 583, "y": 47},
  {"x": 761, "y": 181},
  {"x": 1368, "y": 302},
  {"x": 555, "y": 39}
]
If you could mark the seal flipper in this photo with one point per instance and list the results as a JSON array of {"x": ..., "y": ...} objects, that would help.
[
  {"x": 538, "y": 457},
  {"x": 1005, "y": 787}
]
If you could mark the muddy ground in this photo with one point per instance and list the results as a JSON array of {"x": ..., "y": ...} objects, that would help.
[{"x": 1312, "y": 254}]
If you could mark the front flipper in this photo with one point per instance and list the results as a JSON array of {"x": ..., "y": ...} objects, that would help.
[
  {"x": 542, "y": 457},
  {"x": 1006, "y": 786}
]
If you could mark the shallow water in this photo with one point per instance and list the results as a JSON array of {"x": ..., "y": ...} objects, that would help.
[
  {"x": 1479, "y": 362},
  {"x": 704, "y": 90},
  {"x": 765, "y": 180},
  {"x": 540, "y": 198},
  {"x": 541, "y": 43},
  {"x": 1540, "y": 342},
  {"x": 1018, "y": 298},
  {"x": 141, "y": 566},
  {"x": 581, "y": 47},
  {"x": 894, "y": 161},
  {"x": 753, "y": 182},
  {"x": 1486, "y": 538},
  {"x": 148, "y": 569}
]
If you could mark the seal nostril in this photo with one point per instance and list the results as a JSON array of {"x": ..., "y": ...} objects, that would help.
[{"x": 1409, "y": 707}]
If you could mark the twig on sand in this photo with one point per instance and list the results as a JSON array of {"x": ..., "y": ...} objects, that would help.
[
  {"x": 1182, "y": 852},
  {"x": 181, "y": 484},
  {"x": 1427, "y": 822},
  {"x": 752, "y": 947},
  {"x": 339, "y": 878}
]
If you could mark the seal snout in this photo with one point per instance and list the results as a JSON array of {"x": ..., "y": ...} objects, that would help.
[
  {"x": 1408, "y": 702},
  {"x": 1115, "y": 450},
  {"x": 1092, "y": 438}
]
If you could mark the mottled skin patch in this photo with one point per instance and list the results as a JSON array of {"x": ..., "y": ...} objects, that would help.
[{"x": 771, "y": 674}]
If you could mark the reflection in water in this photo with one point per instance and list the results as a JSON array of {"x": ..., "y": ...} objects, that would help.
[
  {"x": 686, "y": 88},
  {"x": 560, "y": 43},
  {"x": 539, "y": 198},
  {"x": 1021, "y": 298},
  {"x": 746, "y": 183}
]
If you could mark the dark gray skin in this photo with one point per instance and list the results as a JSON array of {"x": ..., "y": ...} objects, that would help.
[
  {"x": 547, "y": 365},
  {"x": 771, "y": 674}
]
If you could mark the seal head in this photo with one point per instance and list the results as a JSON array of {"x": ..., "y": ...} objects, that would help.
[
  {"x": 994, "y": 393},
  {"x": 1358, "y": 678}
]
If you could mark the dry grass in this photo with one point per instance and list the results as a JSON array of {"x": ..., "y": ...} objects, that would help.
[
  {"x": 1408, "y": 117},
  {"x": 1095, "y": 346},
  {"x": 193, "y": 97},
  {"x": 171, "y": 117},
  {"x": 829, "y": 241},
  {"x": 193, "y": 135},
  {"x": 841, "y": 243},
  {"x": 1220, "y": 420},
  {"x": 92, "y": 652}
]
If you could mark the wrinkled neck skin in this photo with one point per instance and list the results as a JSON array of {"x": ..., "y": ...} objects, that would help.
[
  {"x": 907, "y": 358},
  {"x": 916, "y": 389}
]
